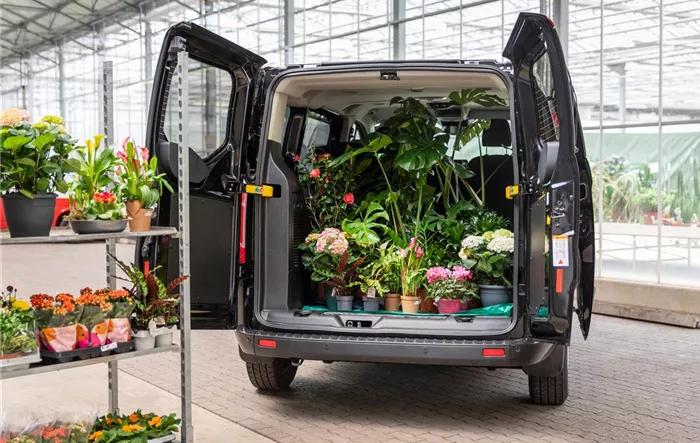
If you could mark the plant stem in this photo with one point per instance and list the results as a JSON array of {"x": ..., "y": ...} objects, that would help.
[{"x": 395, "y": 205}]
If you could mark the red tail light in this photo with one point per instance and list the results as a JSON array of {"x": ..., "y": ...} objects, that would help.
[
  {"x": 493, "y": 352},
  {"x": 552, "y": 22},
  {"x": 267, "y": 343}
]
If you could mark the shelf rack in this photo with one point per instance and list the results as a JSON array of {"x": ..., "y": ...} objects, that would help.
[{"x": 181, "y": 233}]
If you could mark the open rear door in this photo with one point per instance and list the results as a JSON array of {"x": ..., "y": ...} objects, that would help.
[
  {"x": 551, "y": 180},
  {"x": 220, "y": 81}
]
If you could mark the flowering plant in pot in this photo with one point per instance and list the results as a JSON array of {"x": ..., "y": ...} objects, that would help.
[
  {"x": 321, "y": 253},
  {"x": 139, "y": 183},
  {"x": 136, "y": 427},
  {"x": 155, "y": 305},
  {"x": 93, "y": 207},
  {"x": 56, "y": 321},
  {"x": 490, "y": 255},
  {"x": 33, "y": 160},
  {"x": 452, "y": 289},
  {"x": 92, "y": 326},
  {"x": 379, "y": 277},
  {"x": 412, "y": 276},
  {"x": 327, "y": 189},
  {"x": 17, "y": 337},
  {"x": 119, "y": 318}
]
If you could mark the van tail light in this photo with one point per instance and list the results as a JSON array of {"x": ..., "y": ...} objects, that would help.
[
  {"x": 493, "y": 352},
  {"x": 267, "y": 343}
]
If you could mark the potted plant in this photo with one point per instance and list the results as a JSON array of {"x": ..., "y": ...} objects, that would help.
[
  {"x": 155, "y": 305},
  {"x": 119, "y": 318},
  {"x": 93, "y": 208},
  {"x": 412, "y": 276},
  {"x": 491, "y": 256},
  {"x": 33, "y": 159},
  {"x": 321, "y": 255},
  {"x": 646, "y": 202},
  {"x": 451, "y": 289},
  {"x": 56, "y": 321},
  {"x": 135, "y": 427},
  {"x": 17, "y": 337},
  {"x": 140, "y": 184},
  {"x": 92, "y": 326}
]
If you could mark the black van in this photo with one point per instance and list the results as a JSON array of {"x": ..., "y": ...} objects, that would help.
[{"x": 248, "y": 216}]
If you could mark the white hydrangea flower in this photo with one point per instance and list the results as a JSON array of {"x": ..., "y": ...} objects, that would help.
[
  {"x": 472, "y": 241},
  {"x": 501, "y": 244},
  {"x": 462, "y": 254},
  {"x": 503, "y": 233}
]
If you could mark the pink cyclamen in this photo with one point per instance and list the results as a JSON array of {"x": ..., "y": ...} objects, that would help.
[
  {"x": 459, "y": 273},
  {"x": 437, "y": 273}
]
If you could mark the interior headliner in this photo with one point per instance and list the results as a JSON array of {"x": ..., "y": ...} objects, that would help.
[{"x": 355, "y": 95}]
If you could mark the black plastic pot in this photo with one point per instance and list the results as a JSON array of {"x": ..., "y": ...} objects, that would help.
[{"x": 29, "y": 217}]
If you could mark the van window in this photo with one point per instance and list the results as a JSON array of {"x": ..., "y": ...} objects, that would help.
[
  {"x": 316, "y": 133},
  {"x": 210, "y": 91}
]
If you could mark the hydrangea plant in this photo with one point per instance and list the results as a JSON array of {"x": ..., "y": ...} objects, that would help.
[{"x": 490, "y": 256}]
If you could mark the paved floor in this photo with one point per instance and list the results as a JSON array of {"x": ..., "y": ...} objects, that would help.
[{"x": 630, "y": 382}]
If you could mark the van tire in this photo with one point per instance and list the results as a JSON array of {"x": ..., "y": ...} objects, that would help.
[
  {"x": 550, "y": 390},
  {"x": 276, "y": 375}
]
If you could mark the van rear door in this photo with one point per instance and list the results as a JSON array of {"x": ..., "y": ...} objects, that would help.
[
  {"x": 555, "y": 178},
  {"x": 221, "y": 81}
]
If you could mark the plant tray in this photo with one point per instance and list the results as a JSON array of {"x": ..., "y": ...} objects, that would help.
[
  {"x": 23, "y": 362},
  {"x": 163, "y": 439},
  {"x": 504, "y": 310},
  {"x": 85, "y": 353}
]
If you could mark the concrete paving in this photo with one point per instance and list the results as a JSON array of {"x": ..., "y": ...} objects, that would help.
[{"x": 630, "y": 382}]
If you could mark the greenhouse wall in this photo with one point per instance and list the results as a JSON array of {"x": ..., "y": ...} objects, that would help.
[{"x": 630, "y": 62}]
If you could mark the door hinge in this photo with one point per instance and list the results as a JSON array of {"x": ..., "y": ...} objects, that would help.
[
  {"x": 233, "y": 187},
  {"x": 524, "y": 188}
]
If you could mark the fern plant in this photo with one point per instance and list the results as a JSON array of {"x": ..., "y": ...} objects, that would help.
[{"x": 153, "y": 300}]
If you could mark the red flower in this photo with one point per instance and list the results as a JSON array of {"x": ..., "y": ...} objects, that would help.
[
  {"x": 315, "y": 173},
  {"x": 419, "y": 252},
  {"x": 296, "y": 158},
  {"x": 349, "y": 198},
  {"x": 324, "y": 156},
  {"x": 122, "y": 155},
  {"x": 326, "y": 180},
  {"x": 104, "y": 197}
]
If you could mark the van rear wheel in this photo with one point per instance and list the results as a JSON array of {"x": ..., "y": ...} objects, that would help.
[
  {"x": 550, "y": 390},
  {"x": 276, "y": 375}
]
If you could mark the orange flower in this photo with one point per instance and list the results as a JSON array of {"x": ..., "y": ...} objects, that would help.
[
  {"x": 155, "y": 421},
  {"x": 109, "y": 420},
  {"x": 97, "y": 434},
  {"x": 131, "y": 428},
  {"x": 119, "y": 420},
  {"x": 134, "y": 417}
]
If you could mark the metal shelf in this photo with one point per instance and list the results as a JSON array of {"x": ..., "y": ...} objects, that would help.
[
  {"x": 4, "y": 375},
  {"x": 68, "y": 236}
]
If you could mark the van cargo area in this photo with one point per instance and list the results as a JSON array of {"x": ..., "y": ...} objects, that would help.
[{"x": 330, "y": 110}]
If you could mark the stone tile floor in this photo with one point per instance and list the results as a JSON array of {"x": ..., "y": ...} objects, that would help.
[{"x": 630, "y": 382}]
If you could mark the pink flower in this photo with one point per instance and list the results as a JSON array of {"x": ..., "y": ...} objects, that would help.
[
  {"x": 143, "y": 152},
  {"x": 324, "y": 156},
  {"x": 412, "y": 243},
  {"x": 120, "y": 171},
  {"x": 122, "y": 155},
  {"x": 296, "y": 158},
  {"x": 459, "y": 273},
  {"x": 437, "y": 273},
  {"x": 349, "y": 198},
  {"x": 124, "y": 143},
  {"x": 315, "y": 173},
  {"x": 419, "y": 252}
]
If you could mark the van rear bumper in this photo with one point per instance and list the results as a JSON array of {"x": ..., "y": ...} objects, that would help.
[{"x": 538, "y": 356}]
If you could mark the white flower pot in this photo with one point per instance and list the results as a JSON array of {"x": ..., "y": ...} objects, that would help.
[
  {"x": 164, "y": 337},
  {"x": 143, "y": 340}
]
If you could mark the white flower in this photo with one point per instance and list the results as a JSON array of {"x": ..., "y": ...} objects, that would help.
[
  {"x": 546, "y": 245},
  {"x": 462, "y": 254},
  {"x": 472, "y": 241},
  {"x": 501, "y": 244},
  {"x": 503, "y": 233}
]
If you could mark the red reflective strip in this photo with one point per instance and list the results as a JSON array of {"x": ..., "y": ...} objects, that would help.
[
  {"x": 146, "y": 266},
  {"x": 560, "y": 280},
  {"x": 552, "y": 22},
  {"x": 267, "y": 343},
  {"x": 241, "y": 237},
  {"x": 493, "y": 352}
]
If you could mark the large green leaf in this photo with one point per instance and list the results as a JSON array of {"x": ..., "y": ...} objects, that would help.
[
  {"x": 16, "y": 141},
  {"x": 72, "y": 165},
  {"x": 42, "y": 184},
  {"x": 25, "y": 161},
  {"x": 44, "y": 139},
  {"x": 61, "y": 186},
  {"x": 51, "y": 167},
  {"x": 26, "y": 193}
]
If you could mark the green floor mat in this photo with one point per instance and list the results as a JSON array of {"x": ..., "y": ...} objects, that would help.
[{"x": 502, "y": 310}]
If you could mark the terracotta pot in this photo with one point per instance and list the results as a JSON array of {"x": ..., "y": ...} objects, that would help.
[
  {"x": 392, "y": 302},
  {"x": 427, "y": 304},
  {"x": 472, "y": 304},
  {"x": 139, "y": 217},
  {"x": 447, "y": 306},
  {"x": 410, "y": 304},
  {"x": 650, "y": 218}
]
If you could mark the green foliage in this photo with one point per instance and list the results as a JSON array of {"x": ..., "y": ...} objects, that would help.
[
  {"x": 365, "y": 229},
  {"x": 34, "y": 158},
  {"x": 134, "y": 428},
  {"x": 16, "y": 325},
  {"x": 94, "y": 165}
]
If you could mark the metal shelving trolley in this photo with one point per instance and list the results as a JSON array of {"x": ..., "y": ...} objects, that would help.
[{"x": 182, "y": 234}]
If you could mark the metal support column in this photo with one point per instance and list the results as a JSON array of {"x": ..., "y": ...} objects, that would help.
[
  {"x": 399, "y": 29},
  {"x": 148, "y": 61},
  {"x": 183, "y": 205},
  {"x": 288, "y": 32},
  {"x": 210, "y": 89},
  {"x": 560, "y": 16},
  {"x": 111, "y": 244},
  {"x": 61, "y": 81}
]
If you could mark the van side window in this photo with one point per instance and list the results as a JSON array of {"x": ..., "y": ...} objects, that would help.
[
  {"x": 210, "y": 92},
  {"x": 316, "y": 133}
]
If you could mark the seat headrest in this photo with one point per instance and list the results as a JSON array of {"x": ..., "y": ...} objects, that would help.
[{"x": 498, "y": 134}]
